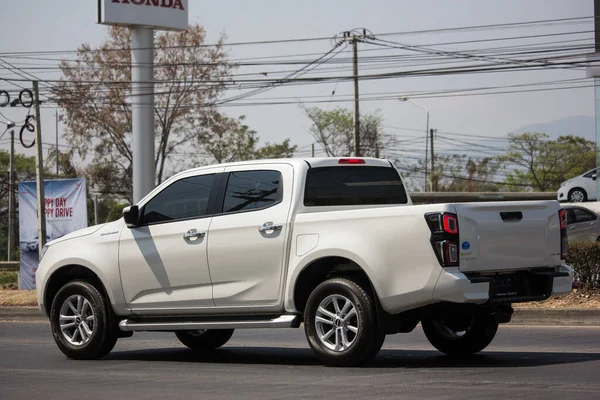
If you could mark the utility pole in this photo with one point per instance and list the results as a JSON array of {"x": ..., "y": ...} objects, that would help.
[
  {"x": 433, "y": 179},
  {"x": 39, "y": 166},
  {"x": 597, "y": 90},
  {"x": 376, "y": 134},
  {"x": 353, "y": 37},
  {"x": 356, "y": 106},
  {"x": 11, "y": 195},
  {"x": 312, "y": 149},
  {"x": 57, "y": 153}
]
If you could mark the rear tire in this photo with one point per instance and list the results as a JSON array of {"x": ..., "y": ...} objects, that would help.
[
  {"x": 460, "y": 337},
  {"x": 341, "y": 325},
  {"x": 204, "y": 339},
  {"x": 80, "y": 322}
]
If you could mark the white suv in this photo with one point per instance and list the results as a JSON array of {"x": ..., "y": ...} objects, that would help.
[{"x": 579, "y": 189}]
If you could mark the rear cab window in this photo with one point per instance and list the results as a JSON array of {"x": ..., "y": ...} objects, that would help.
[{"x": 353, "y": 185}]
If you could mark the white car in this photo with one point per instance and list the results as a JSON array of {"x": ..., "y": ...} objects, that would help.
[
  {"x": 332, "y": 243},
  {"x": 579, "y": 189}
]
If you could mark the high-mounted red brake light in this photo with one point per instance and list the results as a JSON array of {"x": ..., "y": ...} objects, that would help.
[
  {"x": 351, "y": 161},
  {"x": 450, "y": 224}
]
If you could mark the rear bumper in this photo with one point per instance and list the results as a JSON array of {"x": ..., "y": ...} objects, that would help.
[{"x": 519, "y": 286}]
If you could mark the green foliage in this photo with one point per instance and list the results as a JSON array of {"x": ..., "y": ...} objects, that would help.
[
  {"x": 9, "y": 280},
  {"x": 115, "y": 212},
  {"x": 281, "y": 150},
  {"x": 334, "y": 131},
  {"x": 235, "y": 141},
  {"x": 458, "y": 173},
  {"x": 24, "y": 171},
  {"x": 543, "y": 164},
  {"x": 584, "y": 257}
]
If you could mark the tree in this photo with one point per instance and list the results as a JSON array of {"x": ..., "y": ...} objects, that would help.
[
  {"x": 232, "y": 140},
  {"x": 334, "y": 132},
  {"x": 24, "y": 171},
  {"x": 115, "y": 212},
  {"x": 95, "y": 94},
  {"x": 281, "y": 150},
  {"x": 543, "y": 163},
  {"x": 457, "y": 173}
]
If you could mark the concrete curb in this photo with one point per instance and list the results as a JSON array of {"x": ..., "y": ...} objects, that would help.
[
  {"x": 522, "y": 316},
  {"x": 20, "y": 312},
  {"x": 559, "y": 316}
]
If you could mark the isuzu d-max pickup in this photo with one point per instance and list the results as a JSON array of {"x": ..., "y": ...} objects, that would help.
[{"x": 333, "y": 244}]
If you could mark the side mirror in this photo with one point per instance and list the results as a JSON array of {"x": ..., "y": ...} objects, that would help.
[
  {"x": 131, "y": 215},
  {"x": 594, "y": 177}
]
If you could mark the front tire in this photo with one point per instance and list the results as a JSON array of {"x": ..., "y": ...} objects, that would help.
[
  {"x": 80, "y": 322},
  {"x": 461, "y": 336},
  {"x": 204, "y": 339},
  {"x": 341, "y": 325},
  {"x": 577, "y": 195}
]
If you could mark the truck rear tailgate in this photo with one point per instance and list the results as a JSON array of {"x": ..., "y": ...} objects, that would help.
[{"x": 508, "y": 235}]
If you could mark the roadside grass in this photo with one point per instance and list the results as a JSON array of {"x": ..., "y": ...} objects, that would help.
[
  {"x": 18, "y": 298},
  {"x": 8, "y": 280}
]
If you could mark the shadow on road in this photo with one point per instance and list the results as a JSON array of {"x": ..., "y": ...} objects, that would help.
[{"x": 385, "y": 359}]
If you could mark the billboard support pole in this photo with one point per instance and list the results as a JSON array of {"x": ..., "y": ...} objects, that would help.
[
  {"x": 142, "y": 91},
  {"x": 39, "y": 166}
]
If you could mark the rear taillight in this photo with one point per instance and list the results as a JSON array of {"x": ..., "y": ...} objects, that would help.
[
  {"x": 444, "y": 237},
  {"x": 450, "y": 224},
  {"x": 351, "y": 161},
  {"x": 564, "y": 245},
  {"x": 562, "y": 215}
]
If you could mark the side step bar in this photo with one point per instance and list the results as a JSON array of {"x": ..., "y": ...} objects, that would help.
[{"x": 283, "y": 321}]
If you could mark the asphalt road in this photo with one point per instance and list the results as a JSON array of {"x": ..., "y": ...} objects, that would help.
[{"x": 533, "y": 362}]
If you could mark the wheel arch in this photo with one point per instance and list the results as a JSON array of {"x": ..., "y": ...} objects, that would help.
[
  {"x": 585, "y": 194},
  {"x": 324, "y": 268},
  {"x": 68, "y": 273}
]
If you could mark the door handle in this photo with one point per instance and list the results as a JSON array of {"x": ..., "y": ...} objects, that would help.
[
  {"x": 269, "y": 226},
  {"x": 571, "y": 227},
  {"x": 193, "y": 233}
]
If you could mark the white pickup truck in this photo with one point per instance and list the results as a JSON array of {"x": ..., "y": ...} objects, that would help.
[{"x": 332, "y": 243}]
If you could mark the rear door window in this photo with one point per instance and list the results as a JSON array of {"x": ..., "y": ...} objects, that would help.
[
  {"x": 581, "y": 215},
  {"x": 353, "y": 185},
  {"x": 252, "y": 190}
]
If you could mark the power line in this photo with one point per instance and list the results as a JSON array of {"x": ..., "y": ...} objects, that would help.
[{"x": 537, "y": 23}]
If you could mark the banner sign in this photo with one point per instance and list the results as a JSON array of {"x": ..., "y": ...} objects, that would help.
[
  {"x": 66, "y": 211},
  {"x": 157, "y": 14}
]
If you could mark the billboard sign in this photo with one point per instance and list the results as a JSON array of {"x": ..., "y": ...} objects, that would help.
[
  {"x": 158, "y": 14},
  {"x": 66, "y": 211}
]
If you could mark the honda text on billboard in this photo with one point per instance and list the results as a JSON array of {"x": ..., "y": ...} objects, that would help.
[{"x": 159, "y": 14}]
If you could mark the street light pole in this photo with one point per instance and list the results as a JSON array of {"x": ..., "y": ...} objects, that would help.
[{"x": 426, "y": 135}]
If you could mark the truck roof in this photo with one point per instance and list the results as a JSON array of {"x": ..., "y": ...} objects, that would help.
[{"x": 313, "y": 162}]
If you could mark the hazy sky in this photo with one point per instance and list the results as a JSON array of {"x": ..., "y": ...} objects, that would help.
[{"x": 30, "y": 25}]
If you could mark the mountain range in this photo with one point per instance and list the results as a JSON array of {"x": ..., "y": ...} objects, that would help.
[{"x": 580, "y": 125}]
